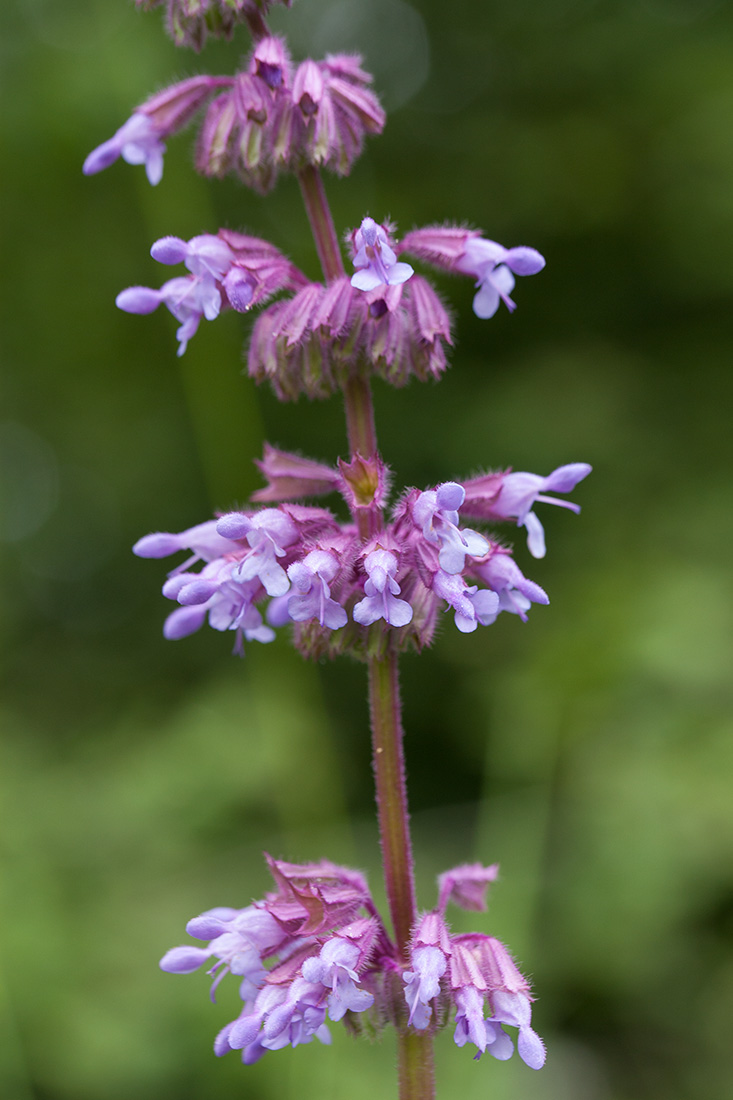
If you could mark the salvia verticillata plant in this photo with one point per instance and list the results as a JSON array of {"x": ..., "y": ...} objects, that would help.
[{"x": 316, "y": 949}]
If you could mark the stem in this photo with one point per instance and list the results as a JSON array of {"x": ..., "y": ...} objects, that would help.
[
  {"x": 415, "y": 1049},
  {"x": 389, "y": 776},
  {"x": 360, "y": 417},
  {"x": 319, "y": 216},
  {"x": 415, "y": 1065}
]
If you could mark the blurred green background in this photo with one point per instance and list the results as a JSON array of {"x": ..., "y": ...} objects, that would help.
[{"x": 590, "y": 751}]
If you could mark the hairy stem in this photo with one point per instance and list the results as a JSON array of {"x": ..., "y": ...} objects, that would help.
[
  {"x": 415, "y": 1051},
  {"x": 389, "y": 775},
  {"x": 414, "y": 1048},
  {"x": 360, "y": 417},
  {"x": 415, "y": 1065},
  {"x": 319, "y": 216}
]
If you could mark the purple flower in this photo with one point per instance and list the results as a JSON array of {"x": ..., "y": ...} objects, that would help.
[
  {"x": 521, "y": 491},
  {"x": 227, "y": 269},
  {"x": 218, "y": 593},
  {"x": 422, "y": 983},
  {"x": 516, "y": 593},
  {"x": 137, "y": 141},
  {"x": 206, "y": 256},
  {"x": 375, "y": 260},
  {"x": 472, "y": 605},
  {"x": 492, "y": 265},
  {"x": 482, "y": 967},
  {"x": 282, "y": 1015},
  {"x": 429, "y": 955},
  {"x": 381, "y": 590},
  {"x": 237, "y": 938},
  {"x": 187, "y": 297},
  {"x": 202, "y": 539},
  {"x": 471, "y": 1026},
  {"x": 334, "y": 968},
  {"x": 268, "y": 532},
  {"x": 515, "y": 1009},
  {"x": 436, "y": 511},
  {"x": 312, "y": 600},
  {"x": 140, "y": 139}
]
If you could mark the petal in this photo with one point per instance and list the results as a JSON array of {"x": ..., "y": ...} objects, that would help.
[
  {"x": 101, "y": 157},
  {"x": 169, "y": 250},
  {"x": 535, "y": 535},
  {"x": 221, "y": 1042},
  {"x": 197, "y": 592},
  {"x": 465, "y": 624},
  {"x": 206, "y": 927},
  {"x": 398, "y": 273},
  {"x": 486, "y": 302},
  {"x": 234, "y": 525},
  {"x": 502, "y": 1047},
  {"x": 366, "y": 279},
  {"x": 138, "y": 299},
  {"x": 184, "y": 960},
  {"x": 478, "y": 253},
  {"x": 486, "y": 606},
  {"x": 244, "y": 1031},
  {"x": 399, "y": 612},
  {"x": 183, "y": 621},
  {"x": 565, "y": 478},
  {"x": 524, "y": 261},
  {"x": 476, "y": 544},
  {"x": 159, "y": 545},
  {"x": 334, "y": 616},
  {"x": 450, "y": 495},
  {"x": 154, "y": 166},
  {"x": 531, "y": 1049}
]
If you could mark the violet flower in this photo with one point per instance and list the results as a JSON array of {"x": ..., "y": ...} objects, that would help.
[
  {"x": 458, "y": 249},
  {"x": 268, "y": 532},
  {"x": 502, "y": 574},
  {"x": 375, "y": 261},
  {"x": 137, "y": 141},
  {"x": 472, "y": 605},
  {"x": 381, "y": 591},
  {"x": 494, "y": 268},
  {"x": 436, "y": 511},
  {"x": 140, "y": 139},
  {"x": 312, "y": 599},
  {"x": 521, "y": 491}
]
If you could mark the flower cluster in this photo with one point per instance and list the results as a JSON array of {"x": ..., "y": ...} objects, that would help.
[
  {"x": 269, "y": 117},
  {"x": 383, "y": 321},
  {"x": 323, "y": 576},
  {"x": 316, "y": 949}
]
